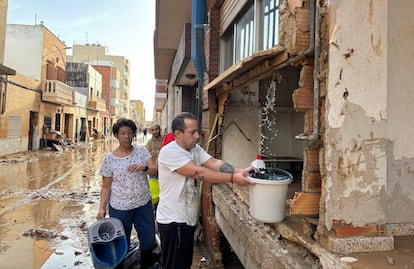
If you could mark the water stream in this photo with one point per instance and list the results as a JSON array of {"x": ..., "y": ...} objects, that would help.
[{"x": 269, "y": 120}]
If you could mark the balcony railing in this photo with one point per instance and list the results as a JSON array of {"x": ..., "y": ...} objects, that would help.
[
  {"x": 97, "y": 103},
  {"x": 57, "y": 92}
]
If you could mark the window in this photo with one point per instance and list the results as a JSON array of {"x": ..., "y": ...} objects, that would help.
[
  {"x": 248, "y": 33},
  {"x": 47, "y": 122},
  {"x": 270, "y": 24},
  {"x": 226, "y": 50},
  {"x": 61, "y": 75},
  {"x": 244, "y": 29},
  {"x": 14, "y": 126},
  {"x": 57, "y": 121}
]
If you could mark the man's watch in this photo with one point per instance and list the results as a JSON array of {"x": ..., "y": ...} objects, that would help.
[{"x": 146, "y": 168}]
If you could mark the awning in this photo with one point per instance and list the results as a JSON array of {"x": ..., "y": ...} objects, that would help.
[
  {"x": 4, "y": 70},
  {"x": 253, "y": 67}
]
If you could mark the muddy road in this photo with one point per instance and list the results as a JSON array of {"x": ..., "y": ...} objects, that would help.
[{"x": 47, "y": 201}]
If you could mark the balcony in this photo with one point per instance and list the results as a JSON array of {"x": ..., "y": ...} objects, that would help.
[
  {"x": 183, "y": 72},
  {"x": 160, "y": 100},
  {"x": 97, "y": 103},
  {"x": 115, "y": 111},
  {"x": 169, "y": 27},
  {"x": 114, "y": 84},
  {"x": 57, "y": 92}
]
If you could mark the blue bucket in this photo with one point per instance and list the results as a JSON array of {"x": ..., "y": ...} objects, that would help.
[{"x": 107, "y": 243}]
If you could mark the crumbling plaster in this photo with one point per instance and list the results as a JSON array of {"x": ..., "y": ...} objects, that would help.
[
  {"x": 241, "y": 133},
  {"x": 367, "y": 128}
]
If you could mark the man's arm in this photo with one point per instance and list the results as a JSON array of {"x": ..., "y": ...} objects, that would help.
[
  {"x": 222, "y": 166},
  {"x": 211, "y": 172}
]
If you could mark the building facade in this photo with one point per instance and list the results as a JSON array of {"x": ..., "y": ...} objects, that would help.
[
  {"x": 140, "y": 113},
  {"x": 94, "y": 54},
  {"x": 41, "y": 65}
]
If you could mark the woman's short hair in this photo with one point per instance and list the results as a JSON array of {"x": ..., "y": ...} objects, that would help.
[{"x": 124, "y": 122}]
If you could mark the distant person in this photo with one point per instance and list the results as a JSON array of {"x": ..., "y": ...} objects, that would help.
[
  {"x": 125, "y": 190},
  {"x": 154, "y": 144},
  {"x": 144, "y": 133},
  {"x": 182, "y": 165}
]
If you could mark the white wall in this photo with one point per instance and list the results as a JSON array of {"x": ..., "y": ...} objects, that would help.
[
  {"x": 237, "y": 149},
  {"x": 369, "y": 61},
  {"x": 400, "y": 111},
  {"x": 23, "y": 50}
]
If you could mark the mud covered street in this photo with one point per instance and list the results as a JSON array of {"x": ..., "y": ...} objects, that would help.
[{"x": 47, "y": 201}]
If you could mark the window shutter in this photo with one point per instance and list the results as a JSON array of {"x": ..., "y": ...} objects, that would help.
[{"x": 228, "y": 13}]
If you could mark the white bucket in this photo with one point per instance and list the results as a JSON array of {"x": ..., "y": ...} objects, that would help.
[{"x": 268, "y": 199}]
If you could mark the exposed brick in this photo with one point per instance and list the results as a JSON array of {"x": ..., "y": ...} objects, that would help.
[
  {"x": 311, "y": 160},
  {"x": 311, "y": 182},
  {"x": 346, "y": 230},
  {"x": 306, "y": 77},
  {"x": 300, "y": 42},
  {"x": 302, "y": 19},
  {"x": 294, "y": 4},
  {"x": 302, "y": 99}
]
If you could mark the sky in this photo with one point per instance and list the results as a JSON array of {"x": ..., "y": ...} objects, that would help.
[{"x": 125, "y": 27}]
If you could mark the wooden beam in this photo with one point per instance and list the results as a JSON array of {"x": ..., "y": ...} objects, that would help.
[
  {"x": 327, "y": 259},
  {"x": 257, "y": 64}
]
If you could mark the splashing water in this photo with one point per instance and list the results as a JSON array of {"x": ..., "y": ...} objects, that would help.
[
  {"x": 271, "y": 96},
  {"x": 269, "y": 118}
]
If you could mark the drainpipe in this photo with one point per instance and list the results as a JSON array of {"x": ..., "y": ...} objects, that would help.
[
  {"x": 316, "y": 85},
  {"x": 314, "y": 49}
]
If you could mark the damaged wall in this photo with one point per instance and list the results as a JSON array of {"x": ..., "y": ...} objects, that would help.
[
  {"x": 241, "y": 134},
  {"x": 368, "y": 154},
  {"x": 400, "y": 120}
]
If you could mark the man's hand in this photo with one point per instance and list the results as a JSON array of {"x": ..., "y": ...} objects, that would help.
[{"x": 241, "y": 177}]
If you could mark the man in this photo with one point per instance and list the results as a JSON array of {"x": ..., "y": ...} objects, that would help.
[
  {"x": 154, "y": 144},
  {"x": 182, "y": 165}
]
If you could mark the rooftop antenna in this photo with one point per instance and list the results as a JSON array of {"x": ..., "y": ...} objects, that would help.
[{"x": 86, "y": 37}]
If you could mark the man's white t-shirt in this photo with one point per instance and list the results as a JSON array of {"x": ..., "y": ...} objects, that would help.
[{"x": 179, "y": 195}]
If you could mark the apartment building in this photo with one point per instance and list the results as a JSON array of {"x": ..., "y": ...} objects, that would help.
[
  {"x": 39, "y": 57},
  {"x": 160, "y": 104},
  {"x": 96, "y": 53},
  {"x": 140, "y": 112},
  {"x": 315, "y": 87},
  {"x": 85, "y": 79}
]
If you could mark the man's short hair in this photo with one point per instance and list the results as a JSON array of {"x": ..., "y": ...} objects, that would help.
[{"x": 178, "y": 121}]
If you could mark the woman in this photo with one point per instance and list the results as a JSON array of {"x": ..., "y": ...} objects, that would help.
[{"x": 125, "y": 188}]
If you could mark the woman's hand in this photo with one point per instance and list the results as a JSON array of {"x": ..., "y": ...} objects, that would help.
[
  {"x": 137, "y": 167},
  {"x": 101, "y": 214}
]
